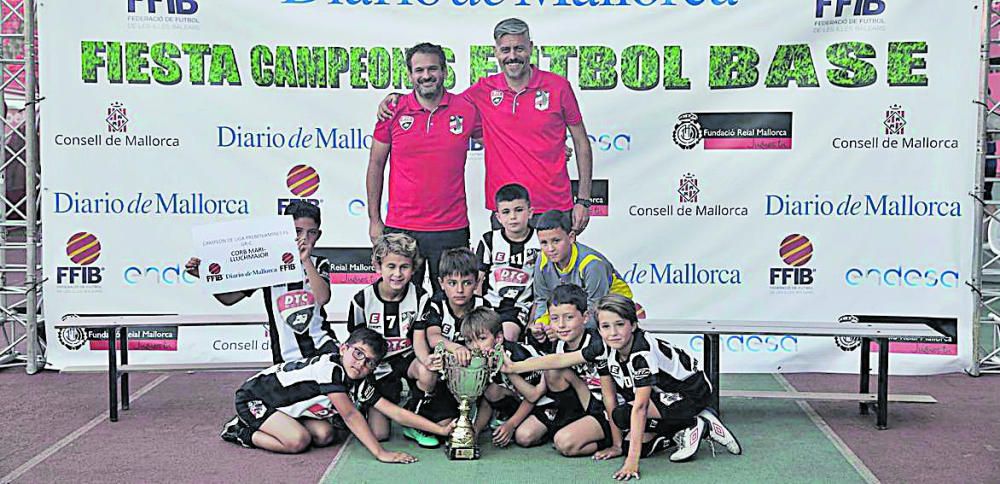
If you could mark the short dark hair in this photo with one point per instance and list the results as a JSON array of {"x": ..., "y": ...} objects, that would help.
[
  {"x": 569, "y": 294},
  {"x": 302, "y": 209},
  {"x": 460, "y": 261},
  {"x": 425, "y": 48},
  {"x": 554, "y": 219},
  {"x": 511, "y": 192},
  {"x": 481, "y": 320},
  {"x": 372, "y": 339}
]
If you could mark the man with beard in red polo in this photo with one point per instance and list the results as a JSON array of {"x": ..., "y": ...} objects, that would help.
[{"x": 428, "y": 137}]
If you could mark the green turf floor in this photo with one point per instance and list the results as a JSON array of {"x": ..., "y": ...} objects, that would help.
[{"x": 780, "y": 444}]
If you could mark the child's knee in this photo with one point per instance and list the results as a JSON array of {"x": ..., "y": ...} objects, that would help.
[
  {"x": 524, "y": 437},
  {"x": 298, "y": 443},
  {"x": 565, "y": 444},
  {"x": 323, "y": 436}
]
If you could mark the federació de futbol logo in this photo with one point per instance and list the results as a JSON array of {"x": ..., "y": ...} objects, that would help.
[
  {"x": 83, "y": 249},
  {"x": 795, "y": 251}
]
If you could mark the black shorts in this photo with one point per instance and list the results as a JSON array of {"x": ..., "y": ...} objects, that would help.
[
  {"x": 390, "y": 383},
  {"x": 442, "y": 405},
  {"x": 510, "y": 311},
  {"x": 252, "y": 410},
  {"x": 566, "y": 409},
  {"x": 676, "y": 413}
]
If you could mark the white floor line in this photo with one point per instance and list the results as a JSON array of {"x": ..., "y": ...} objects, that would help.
[
  {"x": 336, "y": 458},
  {"x": 45, "y": 454},
  {"x": 824, "y": 427}
]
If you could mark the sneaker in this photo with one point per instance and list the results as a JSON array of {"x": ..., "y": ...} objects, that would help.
[
  {"x": 232, "y": 430},
  {"x": 688, "y": 441},
  {"x": 719, "y": 434},
  {"x": 659, "y": 444},
  {"x": 422, "y": 439}
]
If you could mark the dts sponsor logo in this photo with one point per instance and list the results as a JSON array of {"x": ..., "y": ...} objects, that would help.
[
  {"x": 116, "y": 120},
  {"x": 795, "y": 251},
  {"x": 734, "y": 131},
  {"x": 688, "y": 189},
  {"x": 897, "y": 137},
  {"x": 83, "y": 249},
  {"x": 303, "y": 182},
  {"x": 902, "y": 277},
  {"x": 349, "y": 265},
  {"x": 598, "y": 196}
]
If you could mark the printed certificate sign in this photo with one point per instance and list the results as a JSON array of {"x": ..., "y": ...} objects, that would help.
[{"x": 247, "y": 254}]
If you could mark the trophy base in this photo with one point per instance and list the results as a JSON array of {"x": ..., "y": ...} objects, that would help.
[{"x": 461, "y": 453}]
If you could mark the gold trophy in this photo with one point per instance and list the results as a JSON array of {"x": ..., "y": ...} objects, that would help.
[{"x": 467, "y": 383}]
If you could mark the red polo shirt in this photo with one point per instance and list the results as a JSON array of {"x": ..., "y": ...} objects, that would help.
[
  {"x": 525, "y": 136},
  {"x": 427, "y": 163}
]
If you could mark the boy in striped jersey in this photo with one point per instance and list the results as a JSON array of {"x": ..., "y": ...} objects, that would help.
[{"x": 390, "y": 307}]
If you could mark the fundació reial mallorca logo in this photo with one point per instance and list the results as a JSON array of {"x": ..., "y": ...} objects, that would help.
[{"x": 117, "y": 118}]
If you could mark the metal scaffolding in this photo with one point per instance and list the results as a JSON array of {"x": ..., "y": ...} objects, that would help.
[{"x": 20, "y": 243}]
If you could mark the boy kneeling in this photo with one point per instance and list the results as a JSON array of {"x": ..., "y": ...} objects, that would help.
[{"x": 286, "y": 407}]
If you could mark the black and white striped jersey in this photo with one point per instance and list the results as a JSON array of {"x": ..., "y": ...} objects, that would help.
[
  {"x": 301, "y": 388},
  {"x": 438, "y": 313},
  {"x": 394, "y": 320},
  {"x": 508, "y": 267},
  {"x": 670, "y": 371},
  {"x": 596, "y": 365},
  {"x": 304, "y": 335},
  {"x": 520, "y": 352}
]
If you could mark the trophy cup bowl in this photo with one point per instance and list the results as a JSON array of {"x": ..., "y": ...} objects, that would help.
[{"x": 467, "y": 383}]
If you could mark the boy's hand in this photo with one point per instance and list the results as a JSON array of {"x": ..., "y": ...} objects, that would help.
[
  {"x": 463, "y": 356},
  {"x": 304, "y": 249},
  {"x": 628, "y": 471},
  {"x": 569, "y": 153},
  {"x": 390, "y": 457},
  {"x": 191, "y": 267},
  {"x": 609, "y": 453},
  {"x": 435, "y": 362},
  {"x": 446, "y": 429},
  {"x": 507, "y": 367},
  {"x": 502, "y": 435},
  {"x": 387, "y": 107}
]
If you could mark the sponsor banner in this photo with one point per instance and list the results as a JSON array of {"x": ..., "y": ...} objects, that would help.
[
  {"x": 248, "y": 254},
  {"x": 777, "y": 173},
  {"x": 349, "y": 265}
]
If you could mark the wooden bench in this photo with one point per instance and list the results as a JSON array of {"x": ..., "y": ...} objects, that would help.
[{"x": 878, "y": 329}]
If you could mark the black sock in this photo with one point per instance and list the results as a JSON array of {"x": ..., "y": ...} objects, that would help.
[{"x": 245, "y": 435}]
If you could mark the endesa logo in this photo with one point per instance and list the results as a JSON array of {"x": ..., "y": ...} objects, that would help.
[
  {"x": 613, "y": 142},
  {"x": 795, "y": 251},
  {"x": 857, "y": 8},
  {"x": 751, "y": 343},
  {"x": 902, "y": 277},
  {"x": 83, "y": 249},
  {"x": 175, "y": 7},
  {"x": 302, "y": 181},
  {"x": 166, "y": 275}
]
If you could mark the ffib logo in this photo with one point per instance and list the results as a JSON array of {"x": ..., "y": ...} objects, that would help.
[
  {"x": 83, "y": 249},
  {"x": 857, "y": 7},
  {"x": 177, "y": 7},
  {"x": 302, "y": 181},
  {"x": 214, "y": 273},
  {"x": 796, "y": 251}
]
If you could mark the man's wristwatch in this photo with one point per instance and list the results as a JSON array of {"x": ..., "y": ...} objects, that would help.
[{"x": 585, "y": 202}]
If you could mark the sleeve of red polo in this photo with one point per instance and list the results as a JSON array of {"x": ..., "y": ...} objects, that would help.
[
  {"x": 570, "y": 108},
  {"x": 383, "y": 133}
]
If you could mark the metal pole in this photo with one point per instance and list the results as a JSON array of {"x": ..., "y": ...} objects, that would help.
[
  {"x": 35, "y": 359},
  {"x": 979, "y": 189}
]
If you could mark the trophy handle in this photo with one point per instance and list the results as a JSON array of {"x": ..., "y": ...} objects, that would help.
[
  {"x": 440, "y": 351},
  {"x": 496, "y": 359}
]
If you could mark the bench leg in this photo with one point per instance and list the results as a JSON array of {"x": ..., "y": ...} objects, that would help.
[
  {"x": 865, "y": 373},
  {"x": 124, "y": 376},
  {"x": 712, "y": 350},
  {"x": 112, "y": 375},
  {"x": 882, "y": 417}
]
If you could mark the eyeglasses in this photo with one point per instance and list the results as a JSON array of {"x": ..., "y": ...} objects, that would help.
[
  {"x": 311, "y": 233},
  {"x": 368, "y": 361}
]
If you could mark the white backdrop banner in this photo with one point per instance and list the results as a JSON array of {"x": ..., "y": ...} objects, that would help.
[{"x": 780, "y": 160}]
